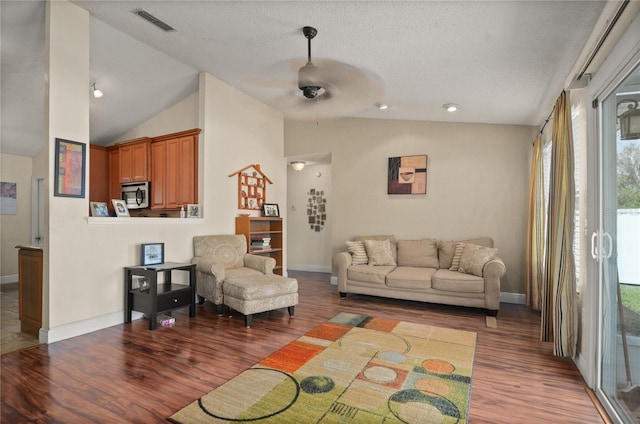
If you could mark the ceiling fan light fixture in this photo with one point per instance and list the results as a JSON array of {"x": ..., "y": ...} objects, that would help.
[
  {"x": 298, "y": 165},
  {"x": 451, "y": 107},
  {"x": 96, "y": 93},
  {"x": 308, "y": 80}
]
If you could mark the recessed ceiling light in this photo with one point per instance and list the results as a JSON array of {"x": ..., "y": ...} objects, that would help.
[
  {"x": 382, "y": 106},
  {"x": 451, "y": 107}
]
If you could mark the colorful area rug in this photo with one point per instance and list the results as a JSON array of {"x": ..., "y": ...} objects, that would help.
[{"x": 351, "y": 369}]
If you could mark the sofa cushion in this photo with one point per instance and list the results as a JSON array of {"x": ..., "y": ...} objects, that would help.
[
  {"x": 391, "y": 238},
  {"x": 407, "y": 277},
  {"x": 379, "y": 252},
  {"x": 474, "y": 257},
  {"x": 358, "y": 253},
  {"x": 369, "y": 274},
  {"x": 455, "y": 262},
  {"x": 418, "y": 253},
  {"x": 454, "y": 281},
  {"x": 446, "y": 249}
]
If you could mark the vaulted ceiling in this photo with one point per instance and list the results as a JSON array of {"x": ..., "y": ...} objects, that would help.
[{"x": 503, "y": 62}]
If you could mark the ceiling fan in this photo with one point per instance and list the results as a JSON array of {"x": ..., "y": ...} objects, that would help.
[
  {"x": 309, "y": 79},
  {"x": 330, "y": 88}
]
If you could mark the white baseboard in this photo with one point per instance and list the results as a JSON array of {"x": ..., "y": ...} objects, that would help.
[
  {"x": 517, "y": 298},
  {"x": 79, "y": 328},
  {"x": 310, "y": 268},
  {"x": 5, "y": 279}
]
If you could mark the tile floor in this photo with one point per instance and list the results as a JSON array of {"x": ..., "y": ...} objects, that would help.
[{"x": 11, "y": 338}]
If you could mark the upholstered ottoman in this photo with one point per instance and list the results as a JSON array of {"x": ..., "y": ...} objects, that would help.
[{"x": 252, "y": 294}]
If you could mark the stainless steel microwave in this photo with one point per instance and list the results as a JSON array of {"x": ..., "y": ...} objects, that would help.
[{"x": 136, "y": 195}]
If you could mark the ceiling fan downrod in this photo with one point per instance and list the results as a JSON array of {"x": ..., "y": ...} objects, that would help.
[{"x": 306, "y": 73}]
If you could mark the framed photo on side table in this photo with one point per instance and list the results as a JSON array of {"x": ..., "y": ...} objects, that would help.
[
  {"x": 99, "y": 209},
  {"x": 152, "y": 253},
  {"x": 270, "y": 209},
  {"x": 120, "y": 207}
]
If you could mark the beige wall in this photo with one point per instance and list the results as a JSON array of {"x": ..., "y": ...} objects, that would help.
[
  {"x": 477, "y": 181},
  {"x": 308, "y": 250},
  {"x": 85, "y": 256},
  {"x": 181, "y": 116},
  {"x": 15, "y": 229}
]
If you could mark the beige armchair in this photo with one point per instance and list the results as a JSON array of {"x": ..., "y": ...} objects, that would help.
[{"x": 218, "y": 257}]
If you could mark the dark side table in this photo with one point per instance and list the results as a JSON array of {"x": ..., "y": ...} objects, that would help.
[{"x": 162, "y": 297}]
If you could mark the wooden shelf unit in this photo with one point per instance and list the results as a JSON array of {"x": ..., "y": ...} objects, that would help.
[{"x": 256, "y": 227}]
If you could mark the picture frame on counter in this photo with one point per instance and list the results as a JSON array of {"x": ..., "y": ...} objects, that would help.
[
  {"x": 193, "y": 211},
  {"x": 99, "y": 209},
  {"x": 152, "y": 254},
  {"x": 120, "y": 207}
]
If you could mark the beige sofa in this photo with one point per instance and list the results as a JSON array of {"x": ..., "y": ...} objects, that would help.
[{"x": 464, "y": 273}]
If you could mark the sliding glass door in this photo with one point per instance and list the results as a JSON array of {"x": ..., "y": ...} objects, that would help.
[{"x": 616, "y": 246}]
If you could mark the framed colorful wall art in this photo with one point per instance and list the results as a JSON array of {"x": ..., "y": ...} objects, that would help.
[{"x": 407, "y": 175}]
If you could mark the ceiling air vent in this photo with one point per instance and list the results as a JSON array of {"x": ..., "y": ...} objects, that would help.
[{"x": 155, "y": 21}]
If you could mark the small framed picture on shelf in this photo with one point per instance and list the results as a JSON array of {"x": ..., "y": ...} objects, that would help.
[
  {"x": 193, "y": 211},
  {"x": 270, "y": 209},
  {"x": 152, "y": 253},
  {"x": 120, "y": 207},
  {"x": 99, "y": 209}
]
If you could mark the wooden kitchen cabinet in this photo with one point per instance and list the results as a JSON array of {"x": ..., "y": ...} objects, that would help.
[
  {"x": 30, "y": 289},
  {"x": 98, "y": 174},
  {"x": 134, "y": 160},
  {"x": 113, "y": 165},
  {"x": 174, "y": 170}
]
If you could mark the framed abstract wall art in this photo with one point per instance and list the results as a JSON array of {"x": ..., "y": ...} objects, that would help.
[
  {"x": 407, "y": 175},
  {"x": 70, "y": 162}
]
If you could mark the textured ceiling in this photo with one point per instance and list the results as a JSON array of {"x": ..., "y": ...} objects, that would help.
[{"x": 504, "y": 62}]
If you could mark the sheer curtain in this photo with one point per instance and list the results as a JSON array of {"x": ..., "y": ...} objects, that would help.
[
  {"x": 559, "y": 303},
  {"x": 534, "y": 262}
]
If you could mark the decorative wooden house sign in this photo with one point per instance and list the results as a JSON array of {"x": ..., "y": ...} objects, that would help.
[{"x": 252, "y": 187}]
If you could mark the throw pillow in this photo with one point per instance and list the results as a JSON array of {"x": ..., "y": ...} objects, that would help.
[
  {"x": 379, "y": 252},
  {"x": 446, "y": 249},
  {"x": 474, "y": 257},
  {"x": 358, "y": 253},
  {"x": 455, "y": 261},
  {"x": 391, "y": 238},
  {"x": 418, "y": 253}
]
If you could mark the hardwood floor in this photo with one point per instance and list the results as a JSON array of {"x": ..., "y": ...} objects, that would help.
[{"x": 127, "y": 373}]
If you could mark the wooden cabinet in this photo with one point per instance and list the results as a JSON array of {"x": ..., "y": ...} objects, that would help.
[
  {"x": 30, "y": 289},
  {"x": 98, "y": 174},
  {"x": 259, "y": 228},
  {"x": 134, "y": 160},
  {"x": 174, "y": 170},
  {"x": 113, "y": 165}
]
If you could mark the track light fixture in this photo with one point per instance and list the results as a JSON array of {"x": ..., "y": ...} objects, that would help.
[{"x": 96, "y": 93}]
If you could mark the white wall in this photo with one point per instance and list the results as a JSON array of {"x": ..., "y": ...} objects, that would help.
[
  {"x": 84, "y": 257},
  {"x": 15, "y": 229},
  {"x": 308, "y": 250},
  {"x": 181, "y": 116},
  {"x": 477, "y": 181}
]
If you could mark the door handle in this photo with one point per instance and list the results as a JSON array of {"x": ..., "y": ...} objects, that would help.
[
  {"x": 594, "y": 246},
  {"x": 608, "y": 254}
]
